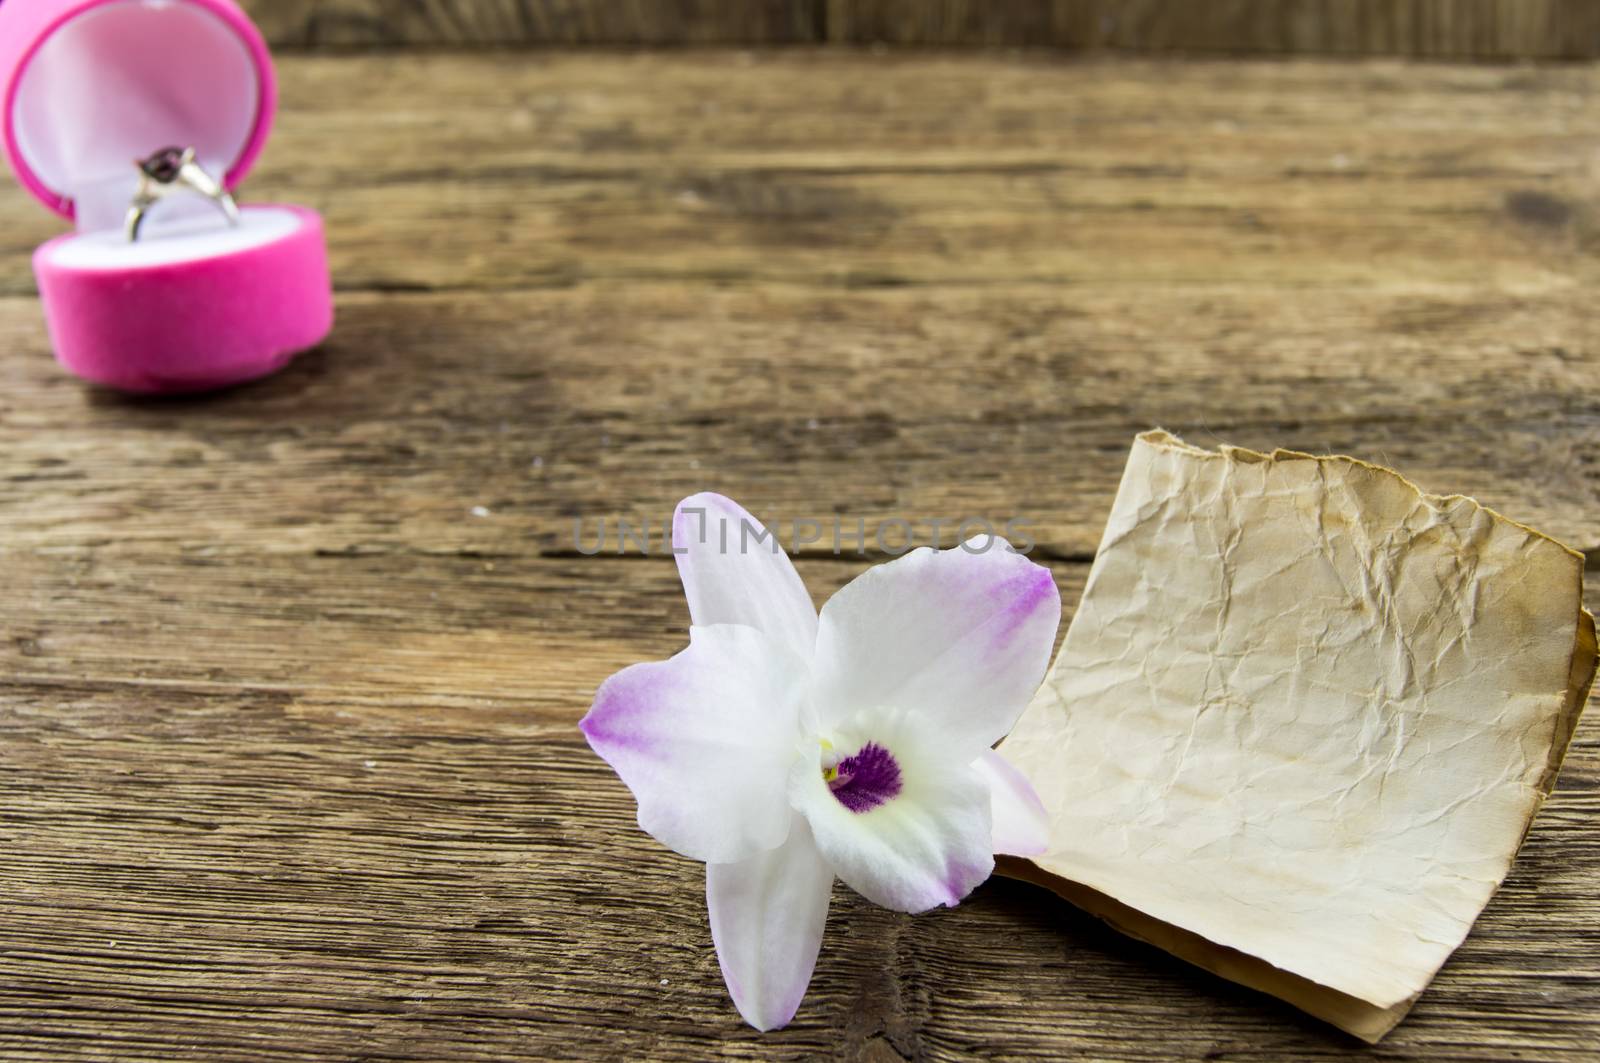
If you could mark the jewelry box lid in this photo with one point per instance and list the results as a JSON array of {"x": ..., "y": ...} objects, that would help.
[{"x": 87, "y": 87}]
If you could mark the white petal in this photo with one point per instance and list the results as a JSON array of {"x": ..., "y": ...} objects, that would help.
[
  {"x": 960, "y": 638},
  {"x": 733, "y": 572},
  {"x": 926, "y": 844},
  {"x": 767, "y": 914},
  {"x": 705, "y": 741},
  {"x": 1021, "y": 824}
]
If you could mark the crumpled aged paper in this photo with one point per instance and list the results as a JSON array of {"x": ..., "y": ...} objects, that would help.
[{"x": 1302, "y": 720}]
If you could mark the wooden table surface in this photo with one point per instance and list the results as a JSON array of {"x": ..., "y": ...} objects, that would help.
[{"x": 289, "y": 675}]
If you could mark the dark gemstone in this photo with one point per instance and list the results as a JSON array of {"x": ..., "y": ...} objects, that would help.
[{"x": 164, "y": 165}]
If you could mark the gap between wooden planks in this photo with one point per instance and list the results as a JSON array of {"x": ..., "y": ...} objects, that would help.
[{"x": 1441, "y": 28}]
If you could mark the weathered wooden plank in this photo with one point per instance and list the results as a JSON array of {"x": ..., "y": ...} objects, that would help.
[
  {"x": 1499, "y": 29},
  {"x": 435, "y": 645},
  {"x": 848, "y": 171},
  {"x": 336, "y": 808},
  {"x": 500, "y": 23},
  {"x": 490, "y": 424}
]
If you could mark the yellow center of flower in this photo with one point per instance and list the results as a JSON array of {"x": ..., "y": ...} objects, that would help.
[{"x": 830, "y": 761}]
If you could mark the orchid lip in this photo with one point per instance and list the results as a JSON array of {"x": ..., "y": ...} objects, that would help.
[{"x": 863, "y": 781}]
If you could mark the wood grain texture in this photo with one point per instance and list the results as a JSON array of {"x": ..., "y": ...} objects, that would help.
[
  {"x": 1498, "y": 29},
  {"x": 1365, "y": 254},
  {"x": 289, "y": 675},
  {"x": 502, "y": 23},
  {"x": 818, "y": 168}
]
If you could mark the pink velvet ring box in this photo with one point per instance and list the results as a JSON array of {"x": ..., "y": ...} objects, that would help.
[{"x": 88, "y": 87}]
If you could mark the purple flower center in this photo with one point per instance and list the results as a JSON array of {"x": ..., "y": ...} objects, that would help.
[{"x": 867, "y": 779}]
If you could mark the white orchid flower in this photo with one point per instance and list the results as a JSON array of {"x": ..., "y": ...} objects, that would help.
[{"x": 784, "y": 748}]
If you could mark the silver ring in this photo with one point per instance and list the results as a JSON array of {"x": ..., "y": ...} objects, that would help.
[{"x": 172, "y": 170}]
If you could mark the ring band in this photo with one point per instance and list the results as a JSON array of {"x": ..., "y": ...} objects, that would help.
[{"x": 169, "y": 171}]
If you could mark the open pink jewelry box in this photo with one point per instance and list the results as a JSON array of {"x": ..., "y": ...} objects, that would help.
[{"x": 198, "y": 301}]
